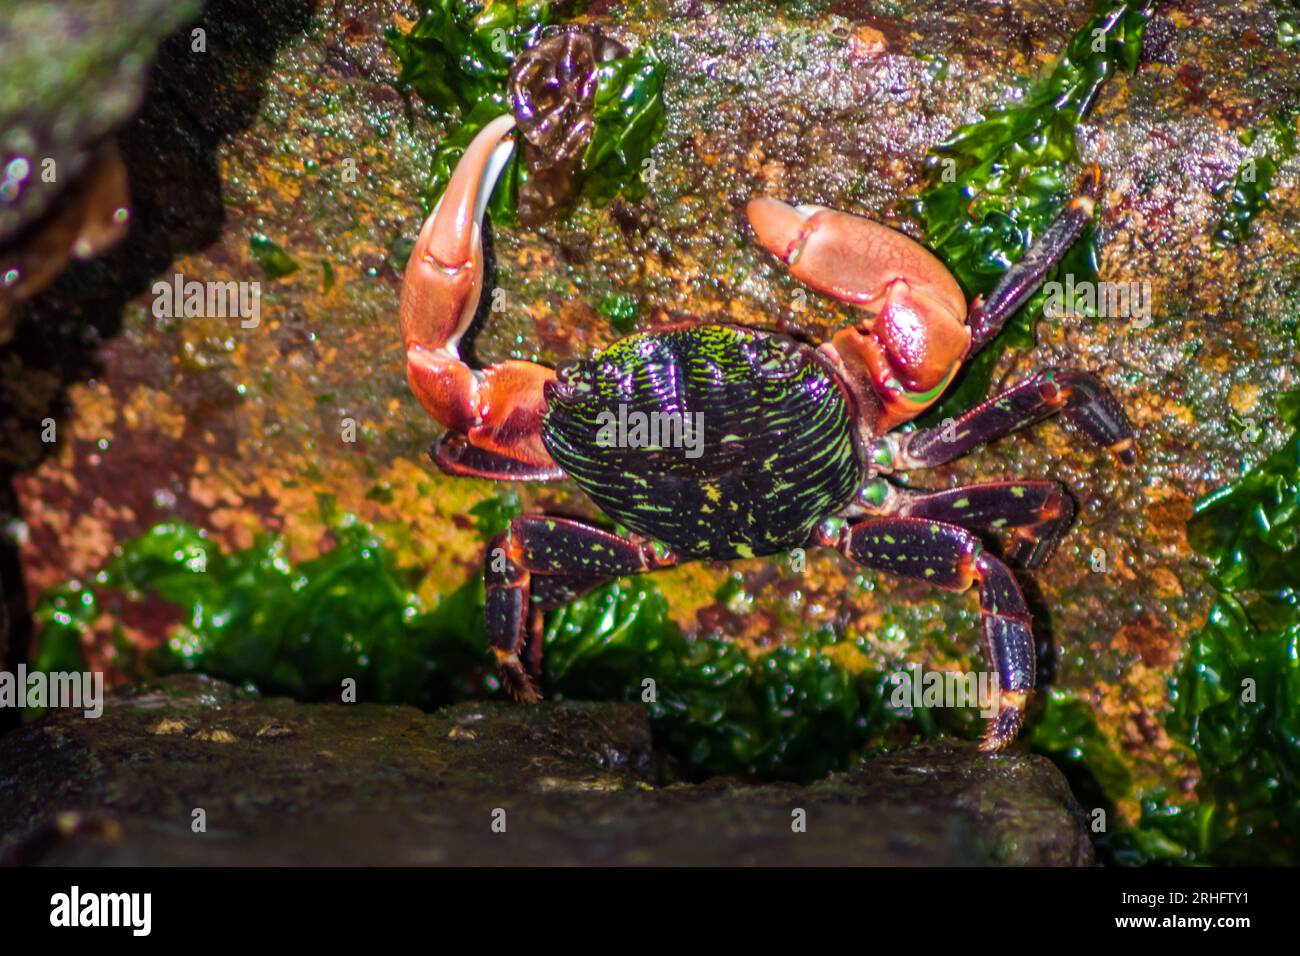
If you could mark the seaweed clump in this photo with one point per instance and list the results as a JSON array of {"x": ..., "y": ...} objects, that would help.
[
  {"x": 590, "y": 111},
  {"x": 307, "y": 629}
]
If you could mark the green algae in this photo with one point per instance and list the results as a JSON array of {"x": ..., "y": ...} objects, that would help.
[
  {"x": 303, "y": 629},
  {"x": 298, "y": 630},
  {"x": 274, "y": 262},
  {"x": 458, "y": 54},
  {"x": 1235, "y": 700},
  {"x": 621, "y": 311},
  {"x": 492, "y": 516},
  {"x": 457, "y": 59},
  {"x": 628, "y": 114},
  {"x": 1248, "y": 194},
  {"x": 1288, "y": 23},
  {"x": 994, "y": 185}
]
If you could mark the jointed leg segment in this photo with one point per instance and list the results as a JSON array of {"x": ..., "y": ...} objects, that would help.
[
  {"x": 1078, "y": 395},
  {"x": 953, "y": 558},
  {"x": 543, "y": 562},
  {"x": 1035, "y": 513},
  {"x": 989, "y": 313}
]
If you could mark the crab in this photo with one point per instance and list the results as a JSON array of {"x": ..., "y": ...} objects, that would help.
[{"x": 798, "y": 444}]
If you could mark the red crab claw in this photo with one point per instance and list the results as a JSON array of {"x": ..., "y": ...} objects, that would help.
[
  {"x": 497, "y": 409},
  {"x": 914, "y": 337}
]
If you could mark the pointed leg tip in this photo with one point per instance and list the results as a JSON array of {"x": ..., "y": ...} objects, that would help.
[
  {"x": 514, "y": 679},
  {"x": 521, "y": 688},
  {"x": 1030, "y": 551},
  {"x": 1028, "y": 559},
  {"x": 995, "y": 742},
  {"x": 1003, "y": 728}
]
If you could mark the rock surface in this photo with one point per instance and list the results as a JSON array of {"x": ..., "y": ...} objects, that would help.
[
  {"x": 70, "y": 72},
  {"x": 579, "y": 783}
]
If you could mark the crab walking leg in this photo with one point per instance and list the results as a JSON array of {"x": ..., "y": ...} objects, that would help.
[
  {"x": 1022, "y": 280},
  {"x": 499, "y": 408},
  {"x": 543, "y": 562},
  {"x": 1036, "y": 513},
  {"x": 1081, "y": 397},
  {"x": 953, "y": 558}
]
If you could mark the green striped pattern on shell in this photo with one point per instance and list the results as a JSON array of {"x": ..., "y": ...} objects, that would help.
[{"x": 773, "y": 454}]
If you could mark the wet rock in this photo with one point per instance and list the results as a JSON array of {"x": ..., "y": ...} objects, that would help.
[
  {"x": 286, "y": 783},
  {"x": 70, "y": 73}
]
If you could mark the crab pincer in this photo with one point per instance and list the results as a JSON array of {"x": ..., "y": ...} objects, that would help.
[{"x": 493, "y": 413}]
